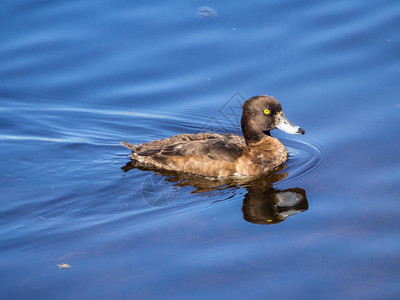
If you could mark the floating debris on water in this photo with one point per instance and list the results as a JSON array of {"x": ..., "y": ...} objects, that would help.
[
  {"x": 206, "y": 12},
  {"x": 64, "y": 266}
]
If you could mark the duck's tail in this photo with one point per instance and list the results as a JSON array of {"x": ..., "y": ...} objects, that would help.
[{"x": 129, "y": 146}]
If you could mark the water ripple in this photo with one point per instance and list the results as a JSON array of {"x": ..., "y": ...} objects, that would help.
[{"x": 306, "y": 158}]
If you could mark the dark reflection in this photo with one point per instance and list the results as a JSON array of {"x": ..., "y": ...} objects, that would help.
[
  {"x": 262, "y": 204},
  {"x": 271, "y": 205}
]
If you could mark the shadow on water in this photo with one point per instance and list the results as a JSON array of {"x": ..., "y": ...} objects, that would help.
[{"x": 262, "y": 204}]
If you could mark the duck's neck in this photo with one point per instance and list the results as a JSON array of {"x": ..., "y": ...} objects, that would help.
[{"x": 252, "y": 134}]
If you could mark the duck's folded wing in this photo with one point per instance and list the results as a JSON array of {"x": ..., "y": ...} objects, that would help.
[
  {"x": 160, "y": 144},
  {"x": 218, "y": 149},
  {"x": 227, "y": 147}
]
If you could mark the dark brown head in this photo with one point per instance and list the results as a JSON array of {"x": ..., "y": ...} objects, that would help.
[{"x": 262, "y": 114}]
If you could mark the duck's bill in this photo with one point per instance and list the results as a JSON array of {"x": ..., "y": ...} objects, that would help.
[{"x": 285, "y": 125}]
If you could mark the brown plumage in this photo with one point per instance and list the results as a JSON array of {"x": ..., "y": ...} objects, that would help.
[{"x": 223, "y": 155}]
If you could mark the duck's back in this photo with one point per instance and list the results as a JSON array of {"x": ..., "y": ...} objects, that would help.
[{"x": 205, "y": 154}]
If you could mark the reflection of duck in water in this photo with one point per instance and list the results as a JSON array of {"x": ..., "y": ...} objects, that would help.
[
  {"x": 262, "y": 204},
  {"x": 223, "y": 155},
  {"x": 272, "y": 206}
]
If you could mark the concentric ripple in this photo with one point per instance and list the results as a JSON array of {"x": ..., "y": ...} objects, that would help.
[{"x": 305, "y": 159}]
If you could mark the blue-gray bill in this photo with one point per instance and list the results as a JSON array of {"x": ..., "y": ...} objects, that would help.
[{"x": 286, "y": 126}]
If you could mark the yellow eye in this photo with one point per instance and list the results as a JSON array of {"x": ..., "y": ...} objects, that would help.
[{"x": 266, "y": 111}]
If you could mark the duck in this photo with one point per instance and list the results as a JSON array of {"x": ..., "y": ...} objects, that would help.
[{"x": 214, "y": 155}]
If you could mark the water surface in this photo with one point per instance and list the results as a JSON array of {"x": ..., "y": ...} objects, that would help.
[{"x": 78, "y": 77}]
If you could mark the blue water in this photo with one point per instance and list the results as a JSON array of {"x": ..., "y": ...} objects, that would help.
[{"x": 76, "y": 77}]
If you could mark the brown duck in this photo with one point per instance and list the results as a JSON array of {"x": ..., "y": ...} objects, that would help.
[{"x": 224, "y": 155}]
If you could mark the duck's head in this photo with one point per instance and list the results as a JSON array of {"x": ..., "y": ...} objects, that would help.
[{"x": 262, "y": 114}]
